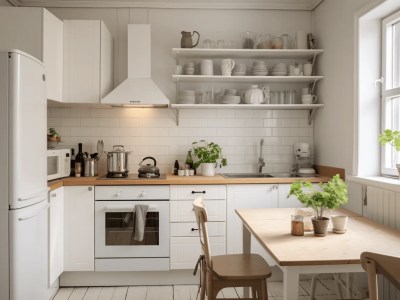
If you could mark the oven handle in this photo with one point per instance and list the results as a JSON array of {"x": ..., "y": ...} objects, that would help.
[{"x": 128, "y": 208}]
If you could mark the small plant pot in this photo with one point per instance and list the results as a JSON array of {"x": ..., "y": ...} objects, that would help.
[
  {"x": 339, "y": 223},
  {"x": 208, "y": 169},
  {"x": 320, "y": 226}
]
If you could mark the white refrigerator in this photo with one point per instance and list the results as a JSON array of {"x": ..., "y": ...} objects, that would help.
[{"x": 23, "y": 178}]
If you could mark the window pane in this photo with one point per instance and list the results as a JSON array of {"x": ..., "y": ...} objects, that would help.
[
  {"x": 392, "y": 122},
  {"x": 396, "y": 55}
]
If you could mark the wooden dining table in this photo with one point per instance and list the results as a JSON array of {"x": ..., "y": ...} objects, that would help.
[{"x": 309, "y": 254}]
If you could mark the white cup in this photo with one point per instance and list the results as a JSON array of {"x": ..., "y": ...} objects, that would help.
[
  {"x": 178, "y": 70},
  {"x": 227, "y": 66},
  {"x": 339, "y": 223},
  {"x": 301, "y": 39},
  {"x": 187, "y": 173},
  {"x": 308, "y": 99},
  {"x": 307, "y": 69},
  {"x": 181, "y": 172},
  {"x": 206, "y": 67}
]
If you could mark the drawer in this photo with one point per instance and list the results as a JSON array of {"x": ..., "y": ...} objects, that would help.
[
  {"x": 185, "y": 251},
  {"x": 182, "y": 211},
  {"x": 190, "y": 192},
  {"x": 153, "y": 192},
  {"x": 185, "y": 229}
]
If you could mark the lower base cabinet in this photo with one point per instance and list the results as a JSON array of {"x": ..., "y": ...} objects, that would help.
[
  {"x": 56, "y": 234},
  {"x": 79, "y": 228}
]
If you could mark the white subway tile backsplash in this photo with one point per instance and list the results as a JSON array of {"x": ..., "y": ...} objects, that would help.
[{"x": 154, "y": 132}]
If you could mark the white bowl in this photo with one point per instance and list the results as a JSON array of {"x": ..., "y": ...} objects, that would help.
[{"x": 230, "y": 99}]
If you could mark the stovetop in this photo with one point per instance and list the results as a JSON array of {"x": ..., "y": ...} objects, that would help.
[{"x": 131, "y": 177}]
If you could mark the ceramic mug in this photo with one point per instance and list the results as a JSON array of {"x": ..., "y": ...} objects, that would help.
[
  {"x": 227, "y": 66},
  {"x": 308, "y": 99},
  {"x": 206, "y": 67},
  {"x": 307, "y": 69}
]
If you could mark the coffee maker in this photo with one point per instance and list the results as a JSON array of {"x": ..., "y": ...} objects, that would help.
[{"x": 303, "y": 158}]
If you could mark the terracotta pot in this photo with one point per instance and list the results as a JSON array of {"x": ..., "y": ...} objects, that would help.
[{"x": 320, "y": 226}]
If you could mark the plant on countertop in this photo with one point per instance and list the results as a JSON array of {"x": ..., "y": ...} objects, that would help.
[
  {"x": 53, "y": 135},
  {"x": 332, "y": 195},
  {"x": 391, "y": 137},
  {"x": 207, "y": 153}
]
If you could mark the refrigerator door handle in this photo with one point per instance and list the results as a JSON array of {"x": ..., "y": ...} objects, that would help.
[
  {"x": 33, "y": 195},
  {"x": 46, "y": 206}
]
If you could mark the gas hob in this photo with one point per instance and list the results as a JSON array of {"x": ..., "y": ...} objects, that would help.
[{"x": 131, "y": 177}]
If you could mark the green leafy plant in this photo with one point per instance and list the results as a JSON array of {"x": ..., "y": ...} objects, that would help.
[
  {"x": 207, "y": 153},
  {"x": 331, "y": 195},
  {"x": 391, "y": 137},
  {"x": 53, "y": 134}
]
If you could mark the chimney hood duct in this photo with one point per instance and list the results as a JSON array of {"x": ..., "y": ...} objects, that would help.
[{"x": 138, "y": 90}]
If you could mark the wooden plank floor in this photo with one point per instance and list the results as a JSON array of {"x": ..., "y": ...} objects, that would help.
[{"x": 324, "y": 291}]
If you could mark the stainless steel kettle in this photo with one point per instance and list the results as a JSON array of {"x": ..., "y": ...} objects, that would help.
[{"x": 149, "y": 170}]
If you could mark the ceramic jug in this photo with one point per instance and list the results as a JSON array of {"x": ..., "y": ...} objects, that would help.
[
  {"x": 253, "y": 95},
  {"x": 186, "y": 40}
]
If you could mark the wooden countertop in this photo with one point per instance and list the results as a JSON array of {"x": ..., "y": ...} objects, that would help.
[{"x": 177, "y": 180}]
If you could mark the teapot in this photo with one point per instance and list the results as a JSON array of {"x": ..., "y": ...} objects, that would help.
[
  {"x": 253, "y": 95},
  {"x": 186, "y": 40}
]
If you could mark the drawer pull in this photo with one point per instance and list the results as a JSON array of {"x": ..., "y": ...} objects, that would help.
[
  {"x": 193, "y": 229},
  {"x": 198, "y": 192}
]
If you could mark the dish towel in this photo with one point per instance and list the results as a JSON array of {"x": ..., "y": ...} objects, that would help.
[{"x": 140, "y": 221}]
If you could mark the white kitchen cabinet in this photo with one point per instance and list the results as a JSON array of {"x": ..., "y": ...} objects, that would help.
[
  {"x": 185, "y": 246},
  {"x": 79, "y": 228},
  {"x": 247, "y": 196},
  {"x": 56, "y": 234},
  {"x": 88, "y": 56},
  {"x": 39, "y": 33}
]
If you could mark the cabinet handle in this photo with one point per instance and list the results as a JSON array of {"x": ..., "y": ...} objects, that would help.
[
  {"x": 53, "y": 195},
  {"x": 193, "y": 229},
  {"x": 275, "y": 187},
  {"x": 90, "y": 189},
  {"x": 198, "y": 192}
]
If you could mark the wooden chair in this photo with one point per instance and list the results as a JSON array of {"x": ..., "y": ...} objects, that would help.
[
  {"x": 234, "y": 270},
  {"x": 388, "y": 266}
]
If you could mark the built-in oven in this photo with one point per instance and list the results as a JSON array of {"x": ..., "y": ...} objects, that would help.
[{"x": 132, "y": 228}]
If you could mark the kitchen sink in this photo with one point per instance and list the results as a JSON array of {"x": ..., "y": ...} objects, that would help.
[{"x": 266, "y": 175}]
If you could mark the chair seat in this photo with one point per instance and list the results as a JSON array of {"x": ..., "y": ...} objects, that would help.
[{"x": 240, "y": 266}]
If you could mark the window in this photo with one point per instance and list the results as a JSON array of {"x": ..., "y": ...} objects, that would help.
[{"x": 390, "y": 88}]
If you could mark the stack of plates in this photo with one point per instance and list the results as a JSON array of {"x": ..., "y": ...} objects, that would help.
[
  {"x": 239, "y": 70},
  {"x": 279, "y": 69},
  {"x": 259, "y": 69},
  {"x": 230, "y": 99},
  {"x": 187, "y": 97}
]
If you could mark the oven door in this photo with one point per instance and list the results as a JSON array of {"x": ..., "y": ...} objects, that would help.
[{"x": 119, "y": 233}]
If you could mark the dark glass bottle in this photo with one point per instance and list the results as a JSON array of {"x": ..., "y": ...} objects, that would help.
[
  {"x": 80, "y": 159},
  {"x": 72, "y": 162},
  {"x": 189, "y": 160},
  {"x": 176, "y": 167}
]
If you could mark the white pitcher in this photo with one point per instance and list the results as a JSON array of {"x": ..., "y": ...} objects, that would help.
[{"x": 253, "y": 95}]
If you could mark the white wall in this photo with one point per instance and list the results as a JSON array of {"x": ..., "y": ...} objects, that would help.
[
  {"x": 154, "y": 132},
  {"x": 333, "y": 25},
  {"x": 4, "y": 3}
]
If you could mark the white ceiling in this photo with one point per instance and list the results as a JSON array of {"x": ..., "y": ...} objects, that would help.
[{"x": 190, "y": 4}]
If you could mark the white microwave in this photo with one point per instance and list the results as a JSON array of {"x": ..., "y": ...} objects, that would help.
[{"x": 58, "y": 163}]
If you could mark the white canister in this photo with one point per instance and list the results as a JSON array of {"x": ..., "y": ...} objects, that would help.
[
  {"x": 206, "y": 67},
  {"x": 301, "y": 39},
  {"x": 227, "y": 66},
  {"x": 208, "y": 169}
]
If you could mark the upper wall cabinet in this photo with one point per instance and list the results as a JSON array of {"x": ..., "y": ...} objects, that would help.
[
  {"x": 37, "y": 32},
  {"x": 88, "y": 57}
]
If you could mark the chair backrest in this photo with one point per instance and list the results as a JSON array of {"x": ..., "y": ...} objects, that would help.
[
  {"x": 201, "y": 218},
  {"x": 388, "y": 266}
]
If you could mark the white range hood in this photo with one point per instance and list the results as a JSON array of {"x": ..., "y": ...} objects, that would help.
[{"x": 138, "y": 90}]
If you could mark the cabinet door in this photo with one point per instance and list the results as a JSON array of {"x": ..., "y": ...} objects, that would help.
[
  {"x": 56, "y": 234},
  {"x": 81, "y": 61},
  {"x": 106, "y": 65},
  {"x": 53, "y": 54},
  {"x": 79, "y": 228},
  {"x": 247, "y": 196}
]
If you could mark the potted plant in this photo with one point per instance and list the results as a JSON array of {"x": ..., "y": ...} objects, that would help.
[
  {"x": 207, "y": 155},
  {"x": 53, "y": 138},
  {"x": 391, "y": 137},
  {"x": 331, "y": 195}
]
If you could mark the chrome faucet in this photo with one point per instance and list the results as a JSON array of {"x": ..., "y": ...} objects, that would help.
[{"x": 261, "y": 162}]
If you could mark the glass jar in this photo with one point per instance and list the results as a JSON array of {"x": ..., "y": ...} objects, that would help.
[
  {"x": 297, "y": 225},
  {"x": 307, "y": 214}
]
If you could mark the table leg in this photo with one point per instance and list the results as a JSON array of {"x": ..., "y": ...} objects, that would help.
[
  {"x": 246, "y": 249},
  {"x": 290, "y": 283}
]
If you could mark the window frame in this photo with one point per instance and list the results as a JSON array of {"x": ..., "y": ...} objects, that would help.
[{"x": 387, "y": 91}]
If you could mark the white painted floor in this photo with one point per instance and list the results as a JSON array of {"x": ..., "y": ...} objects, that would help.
[{"x": 325, "y": 290}]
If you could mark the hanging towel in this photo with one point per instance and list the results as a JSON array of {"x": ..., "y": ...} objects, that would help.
[{"x": 140, "y": 221}]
